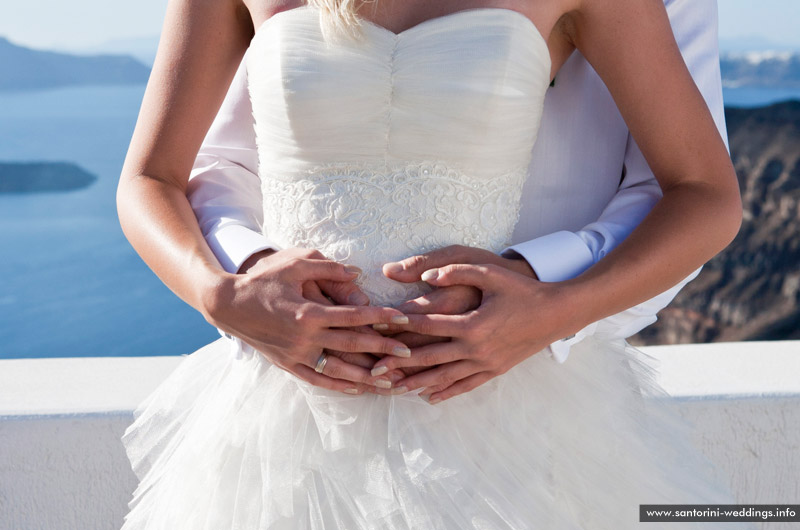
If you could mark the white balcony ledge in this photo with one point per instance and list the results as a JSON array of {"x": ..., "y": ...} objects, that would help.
[{"x": 62, "y": 466}]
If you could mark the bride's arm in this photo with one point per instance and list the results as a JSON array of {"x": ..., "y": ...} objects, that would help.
[
  {"x": 630, "y": 44},
  {"x": 202, "y": 43}
]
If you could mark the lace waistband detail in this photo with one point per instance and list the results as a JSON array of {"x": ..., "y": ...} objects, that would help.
[{"x": 367, "y": 216}]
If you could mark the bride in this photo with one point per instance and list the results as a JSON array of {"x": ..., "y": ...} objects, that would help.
[{"x": 381, "y": 135}]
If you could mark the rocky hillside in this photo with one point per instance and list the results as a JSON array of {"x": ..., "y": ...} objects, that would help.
[
  {"x": 27, "y": 69},
  {"x": 750, "y": 291}
]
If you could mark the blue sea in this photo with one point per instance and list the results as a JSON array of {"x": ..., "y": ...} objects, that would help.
[
  {"x": 70, "y": 284},
  {"x": 757, "y": 97}
]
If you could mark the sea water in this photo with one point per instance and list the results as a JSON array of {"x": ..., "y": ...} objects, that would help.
[
  {"x": 70, "y": 284},
  {"x": 749, "y": 97}
]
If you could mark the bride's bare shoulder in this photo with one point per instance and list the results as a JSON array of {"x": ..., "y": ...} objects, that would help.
[{"x": 261, "y": 10}]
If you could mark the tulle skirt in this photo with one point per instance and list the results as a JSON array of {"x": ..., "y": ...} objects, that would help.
[{"x": 230, "y": 441}]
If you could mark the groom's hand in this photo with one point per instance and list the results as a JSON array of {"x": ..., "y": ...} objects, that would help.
[
  {"x": 451, "y": 300},
  {"x": 411, "y": 269},
  {"x": 517, "y": 317}
]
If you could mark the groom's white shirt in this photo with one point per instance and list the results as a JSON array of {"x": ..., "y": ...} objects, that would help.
[{"x": 589, "y": 184}]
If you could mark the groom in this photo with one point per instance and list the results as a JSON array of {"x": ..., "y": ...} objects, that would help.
[{"x": 592, "y": 187}]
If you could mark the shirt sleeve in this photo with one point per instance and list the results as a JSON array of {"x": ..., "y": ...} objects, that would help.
[
  {"x": 564, "y": 255},
  {"x": 224, "y": 189}
]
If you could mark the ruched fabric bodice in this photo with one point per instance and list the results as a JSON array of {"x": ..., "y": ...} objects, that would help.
[{"x": 377, "y": 149}]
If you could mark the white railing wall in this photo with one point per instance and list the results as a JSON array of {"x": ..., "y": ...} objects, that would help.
[{"x": 62, "y": 466}]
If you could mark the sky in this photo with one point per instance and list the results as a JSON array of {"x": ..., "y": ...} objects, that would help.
[
  {"x": 75, "y": 24},
  {"x": 86, "y": 24}
]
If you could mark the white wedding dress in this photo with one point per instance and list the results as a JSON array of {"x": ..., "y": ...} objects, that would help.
[{"x": 372, "y": 151}]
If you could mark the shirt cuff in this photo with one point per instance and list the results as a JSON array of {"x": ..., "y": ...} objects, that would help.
[
  {"x": 555, "y": 257},
  {"x": 232, "y": 244}
]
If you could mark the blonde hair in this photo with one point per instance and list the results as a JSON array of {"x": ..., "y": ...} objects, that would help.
[{"x": 341, "y": 17}]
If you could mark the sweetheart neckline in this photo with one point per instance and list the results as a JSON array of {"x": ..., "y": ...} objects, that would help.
[{"x": 425, "y": 23}]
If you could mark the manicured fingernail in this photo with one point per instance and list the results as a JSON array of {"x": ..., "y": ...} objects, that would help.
[
  {"x": 429, "y": 275},
  {"x": 350, "y": 391},
  {"x": 400, "y": 390},
  {"x": 358, "y": 298},
  {"x": 400, "y": 319},
  {"x": 427, "y": 397},
  {"x": 352, "y": 269},
  {"x": 380, "y": 327},
  {"x": 383, "y": 383},
  {"x": 380, "y": 371},
  {"x": 401, "y": 351},
  {"x": 392, "y": 268}
]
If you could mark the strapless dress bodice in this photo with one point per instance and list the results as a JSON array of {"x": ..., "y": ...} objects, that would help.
[{"x": 376, "y": 149}]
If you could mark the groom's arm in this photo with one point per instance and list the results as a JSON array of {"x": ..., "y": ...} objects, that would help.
[
  {"x": 224, "y": 189},
  {"x": 564, "y": 255}
]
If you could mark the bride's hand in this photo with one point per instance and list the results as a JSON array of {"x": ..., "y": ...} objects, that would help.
[
  {"x": 271, "y": 308},
  {"x": 517, "y": 317},
  {"x": 451, "y": 300}
]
